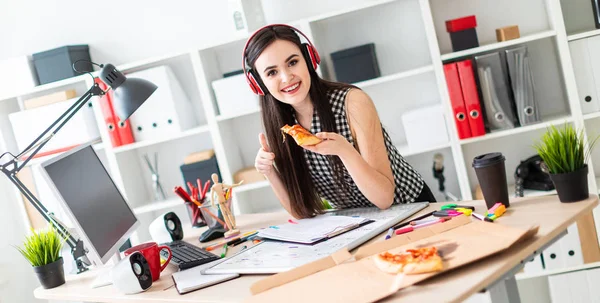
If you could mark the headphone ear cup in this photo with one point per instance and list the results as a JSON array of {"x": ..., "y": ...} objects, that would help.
[
  {"x": 254, "y": 86},
  {"x": 313, "y": 55}
]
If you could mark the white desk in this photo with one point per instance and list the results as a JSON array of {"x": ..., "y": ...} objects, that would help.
[{"x": 455, "y": 286}]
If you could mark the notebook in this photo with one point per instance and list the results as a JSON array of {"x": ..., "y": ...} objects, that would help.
[
  {"x": 193, "y": 279},
  {"x": 308, "y": 231}
]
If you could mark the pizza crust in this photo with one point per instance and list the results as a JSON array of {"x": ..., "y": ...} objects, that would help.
[
  {"x": 387, "y": 266},
  {"x": 300, "y": 135}
]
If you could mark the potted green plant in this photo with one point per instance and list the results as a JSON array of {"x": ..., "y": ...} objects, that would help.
[
  {"x": 42, "y": 250},
  {"x": 565, "y": 155}
]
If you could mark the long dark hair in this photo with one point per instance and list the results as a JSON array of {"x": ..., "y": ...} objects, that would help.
[{"x": 289, "y": 157}]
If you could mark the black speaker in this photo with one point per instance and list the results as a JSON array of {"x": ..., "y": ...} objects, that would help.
[{"x": 166, "y": 228}]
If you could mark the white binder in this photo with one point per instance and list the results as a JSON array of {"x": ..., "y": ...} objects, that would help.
[
  {"x": 534, "y": 265},
  {"x": 168, "y": 111},
  {"x": 571, "y": 247},
  {"x": 554, "y": 256},
  {"x": 586, "y": 69}
]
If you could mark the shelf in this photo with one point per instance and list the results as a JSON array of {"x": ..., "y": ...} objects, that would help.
[
  {"x": 146, "y": 62},
  {"x": 187, "y": 133},
  {"x": 530, "y": 192},
  {"x": 236, "y": 115},
  {"x": 349, "y": 10},
  {"x": 158, "y": 205},
  {"x": 583, "y": 35},
  {"x": 591, "y": 115},
  {"x": 251, "y": 186},
  {"x": 406, "y": 151},
  {"x": 499, "y": 45},
  {"x": 550, "y": 272},
  {"x": 517, "y": 130},
  {"x": 396, "y": 76},
  {"x": 49, "y": 86}
]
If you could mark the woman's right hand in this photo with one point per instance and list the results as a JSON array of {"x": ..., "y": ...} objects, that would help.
[{"x": 264, "y": 157}]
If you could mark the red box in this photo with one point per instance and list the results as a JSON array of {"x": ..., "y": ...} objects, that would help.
[{"x": 460, "y": 24}]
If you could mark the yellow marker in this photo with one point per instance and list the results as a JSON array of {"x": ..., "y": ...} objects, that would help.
[{"x": 465, "y": 211}]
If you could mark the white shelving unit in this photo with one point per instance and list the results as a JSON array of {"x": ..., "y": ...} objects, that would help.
[{"x": 411, "y": 47}]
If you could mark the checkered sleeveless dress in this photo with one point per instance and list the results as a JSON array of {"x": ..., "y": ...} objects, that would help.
[{"x": 408, "y": 182}]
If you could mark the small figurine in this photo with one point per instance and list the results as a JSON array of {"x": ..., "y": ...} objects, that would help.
[{"x": 222, "y": 194}]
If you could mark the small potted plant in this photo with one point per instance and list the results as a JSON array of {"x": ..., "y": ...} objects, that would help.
[
  {"x": 42, "y": 250},
  {"x": 565, "y": 155}
]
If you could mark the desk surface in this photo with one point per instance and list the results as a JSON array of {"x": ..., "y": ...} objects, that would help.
[{"x": 457, "y": 285}]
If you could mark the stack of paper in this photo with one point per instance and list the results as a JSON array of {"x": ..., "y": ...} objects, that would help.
[{"x": 309, "y": 231}]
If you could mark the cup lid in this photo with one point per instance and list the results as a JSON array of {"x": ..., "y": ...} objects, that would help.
[{"x": 487, "y": 159}]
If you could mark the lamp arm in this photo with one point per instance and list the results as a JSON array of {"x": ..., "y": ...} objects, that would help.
[{"x": 12, "y": 168}]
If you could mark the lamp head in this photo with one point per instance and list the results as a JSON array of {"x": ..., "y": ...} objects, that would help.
[{"x": 129, "y": 93}]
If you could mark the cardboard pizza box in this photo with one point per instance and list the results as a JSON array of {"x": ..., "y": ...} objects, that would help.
[{"x": 343, "y": 278}]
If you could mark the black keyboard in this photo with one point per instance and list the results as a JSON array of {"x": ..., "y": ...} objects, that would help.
[{"x": 186, "y": 255}]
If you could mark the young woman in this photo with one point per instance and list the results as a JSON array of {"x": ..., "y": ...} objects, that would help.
[{"x": 356, "y": 164}]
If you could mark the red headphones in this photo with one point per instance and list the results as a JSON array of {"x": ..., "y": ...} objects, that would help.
[{"x": 308, "y": 51}]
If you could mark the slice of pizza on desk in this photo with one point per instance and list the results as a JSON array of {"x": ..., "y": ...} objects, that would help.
[{"x": 300, "y": 135}]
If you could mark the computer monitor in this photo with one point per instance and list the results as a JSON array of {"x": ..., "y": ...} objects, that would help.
[{"x": 92, "y": 201}]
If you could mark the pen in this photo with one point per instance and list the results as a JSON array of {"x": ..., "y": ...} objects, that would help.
[
  {"x": 408, "y": 222},
  {"x": 411, "y": 228},
  {"x": 389, "y": 233},
  {"x": 482, "y": 218},
  {"x": 224, "y": 251}
]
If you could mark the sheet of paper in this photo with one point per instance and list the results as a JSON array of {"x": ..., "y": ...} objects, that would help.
[{"x": 311, "y": 230}]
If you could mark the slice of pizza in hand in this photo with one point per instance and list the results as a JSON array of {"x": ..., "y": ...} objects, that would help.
[
  {"x": 412, "y": 262},
  {"x": 300, "y": 135}
]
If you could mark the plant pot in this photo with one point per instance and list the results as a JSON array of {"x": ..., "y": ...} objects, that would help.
[
  {"x": 573, "y": 186},
  {"x": 51, "y": 275}
]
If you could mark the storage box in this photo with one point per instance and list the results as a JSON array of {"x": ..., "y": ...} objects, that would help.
[
  {"x": 168, "y": 111},
  {"x": 425, "y": 127},
  {"x": 202, "y": 169},
  {"x": 234, "y": 96},
  {"x": 245, "y": 16},
  {"x": 29, "y": 124},
  {"x": 356, "y": 64},
  {"x": 17, "y": 76},
  {"x": 57, "y": 64},
  {"x": 462, "y": 33},
  {"x": 249, "y": 175},
  {"x": 49, "y": 99},
  {"x": 507, "y": 33}
]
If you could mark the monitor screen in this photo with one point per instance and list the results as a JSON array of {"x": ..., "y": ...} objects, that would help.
[{"x": 92, "y": 200}]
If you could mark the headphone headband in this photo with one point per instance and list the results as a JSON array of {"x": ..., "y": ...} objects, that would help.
[{"x": 267, "y": 26}]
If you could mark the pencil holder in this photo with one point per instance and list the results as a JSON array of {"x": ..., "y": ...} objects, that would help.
[{"x": 196, "y": 216}]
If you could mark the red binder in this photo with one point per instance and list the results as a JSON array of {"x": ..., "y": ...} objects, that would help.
[
  {"x": 109, "y": 116},
  {"x": 121, "y": 129},
  {"x": 470, "y": 97},
  {"x": 456, "y": 100}
]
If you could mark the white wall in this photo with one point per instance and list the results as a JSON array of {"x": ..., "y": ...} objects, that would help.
[{"x": 117, "y": 32}]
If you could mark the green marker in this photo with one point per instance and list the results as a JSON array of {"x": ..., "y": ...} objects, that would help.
[{"x": 224, "y": 251}]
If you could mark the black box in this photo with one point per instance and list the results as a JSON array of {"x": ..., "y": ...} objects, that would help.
[
  {"x": 356, "y": 64},
  {"x": 202, "y": 170},
  {"x": 57, "y": 64},
  {"x": 464, "y": 39}
]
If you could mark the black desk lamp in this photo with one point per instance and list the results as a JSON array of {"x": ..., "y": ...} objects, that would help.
[{"x": 129, "y": 95}]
